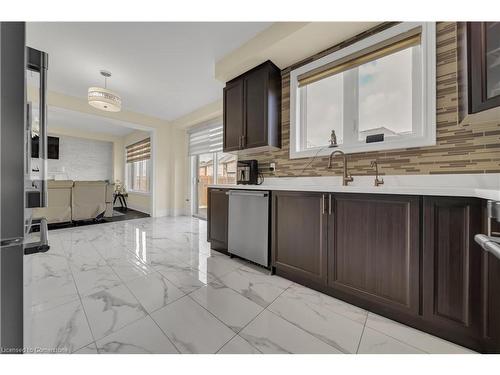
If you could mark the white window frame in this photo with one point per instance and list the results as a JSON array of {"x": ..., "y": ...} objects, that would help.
[
  {"x": 129, "y": 182},
  {"x": 425, "y": 113}
]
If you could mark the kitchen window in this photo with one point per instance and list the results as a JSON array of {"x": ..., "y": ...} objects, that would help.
[
  {"x": 381, "y": 88},
  {"x": 138, "y": 166}
]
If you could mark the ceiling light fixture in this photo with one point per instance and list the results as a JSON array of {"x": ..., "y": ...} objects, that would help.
[{"x": 104, "y": 99}]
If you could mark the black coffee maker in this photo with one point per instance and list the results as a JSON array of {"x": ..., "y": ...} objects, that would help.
[{"x": 247, "y": 172}]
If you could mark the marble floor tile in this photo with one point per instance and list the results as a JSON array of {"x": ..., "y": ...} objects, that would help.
[
  {"x": 85, "y": 259},
  {"x": 312, "y": 297},
  {"x": 273, "y": 335},
  {"x": 100, "y": 282},
  {"x": 374, "y": 342},
  {"x": 185, "y": 278},
  {"x": 414, "y": 337},
  {"x": 111, "y": 309},
  {"x": 154, "y": 291},
  {"x": 47, "y": 264},
  {"x": 312, "y": 315},
  {"x": 52, "y": 290},
  {"x": 216, "y": 266},
  {"x": 237, "y": 345},
  {"x": 231, "y": 308},
  {"x": 256, "y": 285},
  {"x": 140, "y": 337},
  {"x": 191, "y": 328},
  {"x": 95, "y": 279},
  {"x": 63, "y": 329},
  {"x": 130, "y": 269}
]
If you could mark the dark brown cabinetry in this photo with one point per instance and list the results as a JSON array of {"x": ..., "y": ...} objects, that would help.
[
  {"x": 491, "y": 312},
  {"x": 452, "y": 266},
  {"x": 252, "y": 109},
  {"x": 374, "y": 249},
  {"x": 217, "y": 214},
  {"x": 299, "y": 235},
  {"x": 479, "y": 67},
  {"x": 410, "y": 258}
]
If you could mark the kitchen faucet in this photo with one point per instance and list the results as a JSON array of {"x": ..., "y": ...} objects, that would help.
[
  {"x": 377, "y": 180},
  {"x": 346, "y": 176}
]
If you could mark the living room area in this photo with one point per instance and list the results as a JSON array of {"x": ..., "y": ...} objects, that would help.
[{"x": 97, "y": 170}]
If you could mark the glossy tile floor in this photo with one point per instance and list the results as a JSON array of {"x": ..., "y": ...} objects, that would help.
[{"x": 154, "y": 286}]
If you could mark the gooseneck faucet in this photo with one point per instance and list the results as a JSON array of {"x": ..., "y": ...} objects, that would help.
[
  {"x": 377, "y": 181},
  {"x": 346, "y": 176}
]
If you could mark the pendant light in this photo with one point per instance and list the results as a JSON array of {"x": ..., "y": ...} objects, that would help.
[{"x": 104, "y": 99}]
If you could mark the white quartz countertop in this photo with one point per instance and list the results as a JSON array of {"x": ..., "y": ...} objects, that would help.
[{"x": 470, "y": 185}]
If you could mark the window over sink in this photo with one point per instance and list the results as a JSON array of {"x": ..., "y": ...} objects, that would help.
[{"x": 381, "y": 88}]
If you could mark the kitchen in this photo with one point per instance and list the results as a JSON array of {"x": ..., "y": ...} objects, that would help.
[{"x": 384, "y": 219}]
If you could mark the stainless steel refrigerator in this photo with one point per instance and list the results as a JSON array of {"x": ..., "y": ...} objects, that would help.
[{"x": 18, "y": 190}]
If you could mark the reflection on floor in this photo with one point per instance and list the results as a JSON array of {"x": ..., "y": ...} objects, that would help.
[{"x": 154, "y": 286}]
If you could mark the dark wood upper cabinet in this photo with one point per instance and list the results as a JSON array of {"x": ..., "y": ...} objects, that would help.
[
  {"x": 252, "y": 105},
  {"x": 373, "y": 251},
  {"x": 233, "y": 114},
  {"x": 479, "y": 68},
  {"x": 452, "y": 266},
  {"x": 299, "y": 238},
  {"x": 217, "y": 215}
]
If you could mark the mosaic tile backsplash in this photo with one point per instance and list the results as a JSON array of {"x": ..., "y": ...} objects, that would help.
[{"x": 465, "y": 147}]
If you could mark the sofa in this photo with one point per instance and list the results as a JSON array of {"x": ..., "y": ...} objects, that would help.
[{"x": 76, "y": 201}]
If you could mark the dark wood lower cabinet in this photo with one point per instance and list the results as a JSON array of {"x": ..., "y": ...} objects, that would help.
[
  {"x": 491, "y": 303},
  {"x": 374, "y": 249},
  {"x": 412, "y": 259},
  {"x": 217, "y": 214},
  {"x": 452, "y": 290},
  {"x": 299, "y": 238}
]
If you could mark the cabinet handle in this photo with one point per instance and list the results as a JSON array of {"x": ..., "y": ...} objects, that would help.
[
  {"x": 243, "y": 141},
  {"x": 323, "y": 204},
  {"x": 329, "y": 204}
]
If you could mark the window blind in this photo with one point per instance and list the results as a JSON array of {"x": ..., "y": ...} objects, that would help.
[
  {"x": 378, "y": 51},
  {"x": 205, "y": 140},
  {"x": 139, "y": 151}
]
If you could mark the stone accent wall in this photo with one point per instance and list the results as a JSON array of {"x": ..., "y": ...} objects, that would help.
[
  {"x": 80, "y": 159},
  {"x": 461, "y": 148}
]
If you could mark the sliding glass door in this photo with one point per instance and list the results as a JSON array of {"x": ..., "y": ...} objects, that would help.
[
  {"x": 205, "y": 177},
  {"x": 209, "y": 164},
  {"x": 211, "y": 168}
]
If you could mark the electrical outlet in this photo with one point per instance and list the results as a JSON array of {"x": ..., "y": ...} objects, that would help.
[{"x": 272, "y": 167}]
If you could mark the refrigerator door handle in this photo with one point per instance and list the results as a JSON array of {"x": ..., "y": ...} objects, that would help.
[
  {"x": 43, "y": 245},
  {"x": 10, "y": 242}
]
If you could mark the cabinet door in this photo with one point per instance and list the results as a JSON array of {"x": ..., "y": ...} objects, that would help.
[
  {"x": 374, "y": 249},
  {"x": 492, "y": 300},
  {"x": 256, "y": 86},
  {"x": 217, "y": 214},
  {"x": 484, "y": 44},
  {"x": 452, "y": 265},
  {"x": 233, "y": 115},
  {"x": 299, "y": 236}
]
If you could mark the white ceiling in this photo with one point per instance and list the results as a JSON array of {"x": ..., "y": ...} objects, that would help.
[
  {"x": 163, "y": 69},
  {"x": 77, "y": 121}
]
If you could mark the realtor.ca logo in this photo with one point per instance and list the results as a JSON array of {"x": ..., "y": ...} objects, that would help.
[{"x": 33, "y": 350}]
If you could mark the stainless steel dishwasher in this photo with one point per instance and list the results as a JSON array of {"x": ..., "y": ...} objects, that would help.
[{"x": 248, "y": 225}]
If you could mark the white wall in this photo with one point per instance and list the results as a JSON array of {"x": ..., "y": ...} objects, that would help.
[{"x": 80, "y": 159}]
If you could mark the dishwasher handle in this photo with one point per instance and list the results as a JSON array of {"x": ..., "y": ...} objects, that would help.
[{"x": 248, "y": 193}]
